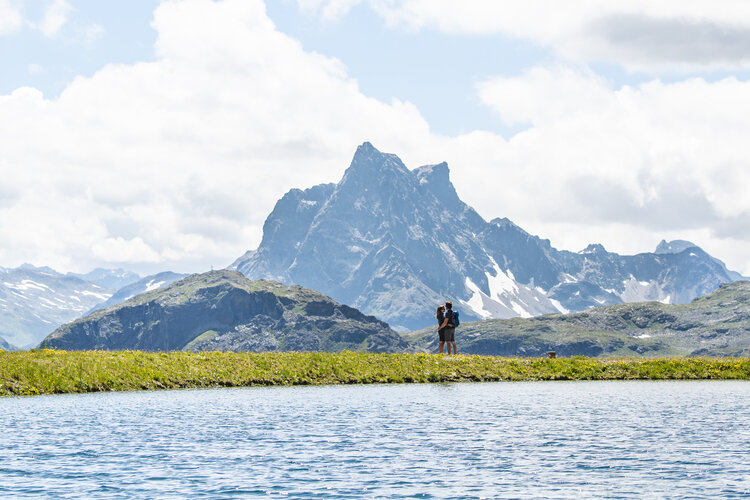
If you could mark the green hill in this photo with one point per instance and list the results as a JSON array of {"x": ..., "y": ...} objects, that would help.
[
  {"x": 223, "y": 310},
  {"x": 717, "y": 324}
]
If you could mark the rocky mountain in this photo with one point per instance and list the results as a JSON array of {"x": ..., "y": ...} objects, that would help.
[
  {"x": 143, "y": 285},
  {"x": 395, "y": 242},
  {"x": 223, "y": 310},
  {"x": 5, "y": 346},
  {"x": 717, "y": 324},
  {"x": 36, "y": 300}
]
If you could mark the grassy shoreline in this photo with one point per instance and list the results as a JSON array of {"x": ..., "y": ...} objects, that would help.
[{"x": 57, "y": 372}]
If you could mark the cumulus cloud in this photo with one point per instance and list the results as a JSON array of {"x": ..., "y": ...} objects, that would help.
[
  {"x": 672, "y": 35},
  {"x": 189, "y": 152},
  {"x": 664, "y": 157},
  {"x": 175, "y": 163},
  {"x": 54, "y": 18},
  {"x": 10, "y": 17}
]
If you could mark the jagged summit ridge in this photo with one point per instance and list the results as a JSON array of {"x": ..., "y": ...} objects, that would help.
[{"x": 396, "y": 242}]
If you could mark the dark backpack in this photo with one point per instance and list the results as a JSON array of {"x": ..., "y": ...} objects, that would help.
[{"x": 455, "y": 319}]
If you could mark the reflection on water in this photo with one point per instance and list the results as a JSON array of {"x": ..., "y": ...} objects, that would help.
[{"x": 566, "y": 439}]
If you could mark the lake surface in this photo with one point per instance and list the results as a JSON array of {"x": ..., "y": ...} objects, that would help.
[{"x": 538, "y": 439}]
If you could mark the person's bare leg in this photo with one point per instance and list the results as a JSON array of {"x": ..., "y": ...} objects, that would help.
[
  {"x": 440, "y": 346},
  {"x": 455, "y": 351}
]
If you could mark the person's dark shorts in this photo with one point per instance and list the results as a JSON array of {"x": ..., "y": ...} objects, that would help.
[
  {"x": 449, "y": 334},
  {"x": 441, "y": 334}
]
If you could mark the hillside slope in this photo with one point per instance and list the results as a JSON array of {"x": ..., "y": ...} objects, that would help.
[
  {"x": 223, "y": 310},
  {"x": 717, "y": 324}
]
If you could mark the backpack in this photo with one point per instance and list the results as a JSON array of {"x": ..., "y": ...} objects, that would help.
[{"x": 455, "y": 320}]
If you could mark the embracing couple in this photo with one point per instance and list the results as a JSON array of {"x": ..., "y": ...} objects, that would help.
[{"x": 447, "y": 322}]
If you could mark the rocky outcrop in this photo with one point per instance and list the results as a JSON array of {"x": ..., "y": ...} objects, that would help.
[{"x": 222, "y": 310}]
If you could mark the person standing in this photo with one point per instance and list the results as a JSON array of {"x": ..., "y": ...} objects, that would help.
[
  {"x": 449, "y": 326},
  {"x": 441, "y": 329}
]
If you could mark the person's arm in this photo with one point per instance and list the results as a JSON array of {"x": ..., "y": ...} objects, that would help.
[{"x": 445, "y": 323}]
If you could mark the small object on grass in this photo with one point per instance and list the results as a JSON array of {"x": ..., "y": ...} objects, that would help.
[{"x": 551, "y": 354}]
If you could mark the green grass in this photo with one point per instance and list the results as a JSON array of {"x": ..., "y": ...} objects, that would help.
[{"x": 55, "y": 372}]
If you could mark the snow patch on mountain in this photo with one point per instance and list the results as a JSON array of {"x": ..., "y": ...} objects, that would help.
[
  {"x": 643, "y": 291},
  {"x": 153, "y": 285},
  {"x": 34, "y": 301}
]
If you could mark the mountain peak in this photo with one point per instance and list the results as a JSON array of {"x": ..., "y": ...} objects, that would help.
[
  {"x": 436, "y": 179},
  {"x": 369, "y": 166},
  {"x": 367, "y": 153},
  {"x": 674, "y": 246},
  {"x": 396, "y": 241},
  {"x": 432, "y": 173},
  {"x": 593, "y": 248},
  {"x": 32, "y": 267},
  {"x": 504, "y": 222}
]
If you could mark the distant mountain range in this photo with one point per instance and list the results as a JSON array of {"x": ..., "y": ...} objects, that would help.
[
  {"x": 36, "y": 300},
  {"x": 223, "y": 310},
  {"x": 5, "y": 346},
  {"x": 393, "y": 243},
  {"x": 147, "y": 284},
  {"x": 396, "y": 243},
  {"x": 717, "y": 324}
]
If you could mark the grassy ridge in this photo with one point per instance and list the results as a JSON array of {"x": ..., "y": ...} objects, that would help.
[{"x": 55, "y": 372}]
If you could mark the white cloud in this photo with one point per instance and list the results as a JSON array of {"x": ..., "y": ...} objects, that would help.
[
  {"x": 188, "y": 153},
  {"x": 121, "y": 250},
  {"x": 10, "y": 17},
  {"x": 55, "y": 17},
  {"x": 673, "y": 35},
  {"x": 658, "y": 158},
  {"x": 176, "y": 163},
  {"x": 328, "y": 9}
]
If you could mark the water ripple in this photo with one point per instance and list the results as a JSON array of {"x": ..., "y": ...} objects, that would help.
[{"x": 507, "y": 440}]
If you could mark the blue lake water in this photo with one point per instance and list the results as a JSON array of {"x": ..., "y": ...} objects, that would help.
[{"x": 539, "y": 439}]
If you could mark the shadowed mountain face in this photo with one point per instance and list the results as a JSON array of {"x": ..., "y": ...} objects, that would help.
[
  {"x": 223, "y": 310},
  {"x": 396, "y": 242}
]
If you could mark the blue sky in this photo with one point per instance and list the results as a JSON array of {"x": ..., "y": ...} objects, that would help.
[{"x": 157, "y": 135}]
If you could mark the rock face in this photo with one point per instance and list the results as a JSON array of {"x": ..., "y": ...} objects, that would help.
[
  {"x": 222, "y": 310},
  {"x": 717, "y": 324},
  {"x": 396, "y": 242}
]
